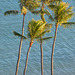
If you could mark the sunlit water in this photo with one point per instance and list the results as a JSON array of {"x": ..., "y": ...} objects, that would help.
[{"x": 64, "y": 55}]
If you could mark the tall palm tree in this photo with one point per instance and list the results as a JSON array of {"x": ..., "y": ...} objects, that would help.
[
  {"x": 23, "y": 11},
  {"x": 36, "y": 29},
  {"x": 62, "y": 13},
  {"x": 30, "y": 5}
]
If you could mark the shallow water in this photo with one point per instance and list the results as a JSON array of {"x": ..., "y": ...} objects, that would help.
[{"x": 64, "y": 55}]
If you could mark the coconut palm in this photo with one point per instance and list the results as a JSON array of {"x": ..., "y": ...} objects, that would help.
[
  {"x": 30, "y": 5},
  {"x": 23, "y": 11},
  {"x": 62, "y": 13},
  {"x": 36, "y": 29}
]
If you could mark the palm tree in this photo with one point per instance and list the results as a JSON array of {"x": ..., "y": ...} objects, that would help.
[
  {"x": 23, "y": 11},
  {"x": 30, "y": 5},
  {"x": 62, "y": 15},
  {"x": 36, "y": 29}
]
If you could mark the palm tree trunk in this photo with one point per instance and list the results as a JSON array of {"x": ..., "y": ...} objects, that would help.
[
  {"x": 53, "y": 49},
  {"x": 19, "y": 54},
  {"x": 41, "y": 57},
  {"x": 43, "y": 19},
  {"x": 27, "y": 57}
]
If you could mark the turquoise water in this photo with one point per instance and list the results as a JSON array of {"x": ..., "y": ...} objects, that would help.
[{"x": 64, "y": 55}]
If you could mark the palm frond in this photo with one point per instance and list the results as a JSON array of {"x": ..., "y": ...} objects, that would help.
[
  {"x": 45, "y": 39},
  {"x": 50, "y": 1},
  {"x": 68, "y": 24},
  {"x": 14, "y": 12},
  {"x": 50, "y": 16},
  {"x": 29, "y": 4},
  {"x": 62, "y": 12},
  {"x": 43, "y": 33},
  {"x": 62, "y": 6},
  {"x": 37, "y": 28},
  {"x": 65, "y": 18},
  {"x": 36, "y": 12},
  {"x": 52, "y": 7},
  {"x": 40, "y": 29},
  {"x": 18, "y": 34}
]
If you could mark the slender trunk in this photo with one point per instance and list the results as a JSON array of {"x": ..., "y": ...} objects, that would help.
[
  {"x": 43, "y": 19},
  {"x": 53, "y": 49},
  {"x": 19, "y": 54},
  {"x": 41, "y": 57},
  {"x": 27, "y": 57}
]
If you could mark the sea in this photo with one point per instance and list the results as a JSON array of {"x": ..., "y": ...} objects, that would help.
[{"x": 64, "y": 53}]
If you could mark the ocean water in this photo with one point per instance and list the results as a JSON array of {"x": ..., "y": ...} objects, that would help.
[{"x": 64, "y": 54}]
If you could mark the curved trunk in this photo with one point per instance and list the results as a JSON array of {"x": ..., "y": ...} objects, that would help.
[
  {"x": 27, "y": 57},
  {"x": 41, "y": 58},
  {"x": 19, "y": 54},
  {"x": 53, "y": 49},
  {"x": 43, "y": 19}
]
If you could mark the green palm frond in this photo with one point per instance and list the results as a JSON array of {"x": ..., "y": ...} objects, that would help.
[
  {"x": 50, "y": 16},
  {"x": 52, "y": 7},
  {"x": 45, "y": 39},
  {"x": 65, "y": 18},
  {"x": 29, "y": 4},
  {"x": 37, "y": 28},
  {"x": 62, "y": 12},
  {"x": 62, "y": 6},
  {"x": 14, "y": 12},
  {"x": 68, "y": 24},
  {"x": 40, "y": 29},
  {"x": 18, "y": 34},
  {"x": 50, "y": 1},
  {"x": 36, "y": 12},
  {"x": 43, "y": 33}
]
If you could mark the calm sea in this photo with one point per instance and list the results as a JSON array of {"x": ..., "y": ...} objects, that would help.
[{"x": 64, "y": 55}]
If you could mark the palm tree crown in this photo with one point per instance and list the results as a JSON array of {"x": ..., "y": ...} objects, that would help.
[
  {"x": 29, "y": 4},
  {"x": 36, "y": 28},
  {"x": 62, "y": 12}
]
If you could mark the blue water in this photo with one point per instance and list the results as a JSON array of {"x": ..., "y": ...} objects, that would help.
[{"x": 64, "y": 55}]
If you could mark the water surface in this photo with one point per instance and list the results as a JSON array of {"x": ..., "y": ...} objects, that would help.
[{"x": 64, "y": 55}]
